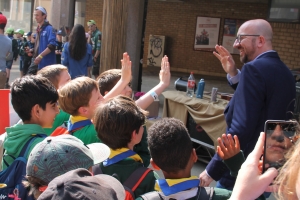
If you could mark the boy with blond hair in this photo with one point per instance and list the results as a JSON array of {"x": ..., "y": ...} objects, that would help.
[{"x": 80, "y": 97}]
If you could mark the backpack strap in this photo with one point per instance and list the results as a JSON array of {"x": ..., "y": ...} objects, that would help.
[
  {"x": 154, "y": 195},
  {"x": 28, "y": 144},
  {"x": 134, "y": 180},
  {"x": 97, "y": 169},
  {"x": 205, "y": 193}
]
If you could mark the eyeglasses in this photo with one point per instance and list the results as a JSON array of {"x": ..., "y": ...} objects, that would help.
[{"x": 238, "y": 38}]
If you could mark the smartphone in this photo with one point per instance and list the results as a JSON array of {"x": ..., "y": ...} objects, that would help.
[{"x": 280, "y": 136}]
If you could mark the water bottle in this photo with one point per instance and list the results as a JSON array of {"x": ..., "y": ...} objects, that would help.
[
  {"x": 190, "y": 85},
  {"x": 200, "y": 89}
]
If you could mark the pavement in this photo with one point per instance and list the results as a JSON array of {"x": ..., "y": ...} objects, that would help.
[{"x": 150, "y": 79}]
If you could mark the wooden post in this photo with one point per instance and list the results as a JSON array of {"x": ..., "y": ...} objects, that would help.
[{"x": 114, "y": 27}]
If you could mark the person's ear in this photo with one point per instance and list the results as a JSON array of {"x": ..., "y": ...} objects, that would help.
[
  {"x": 194, "y": 156},
  {"x": 82, "y": 110},
  {"x": 105, "y": 93},
  {"x": 261, "y": 41},
  {"x": 35, "y": 111},
  {"x": 153, "y": 164}
]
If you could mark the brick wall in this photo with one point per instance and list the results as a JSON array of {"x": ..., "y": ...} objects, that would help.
[
  {"x": 94, "y": 10},
  {"x": 177, "y": 21}
]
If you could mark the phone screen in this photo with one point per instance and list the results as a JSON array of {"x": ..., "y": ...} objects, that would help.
[{"x": 280, "y": 137}]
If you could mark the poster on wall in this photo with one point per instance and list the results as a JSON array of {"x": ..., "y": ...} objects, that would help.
[
  {"x": 230, "y": 29},
  {"x": 207, "y": 33}
]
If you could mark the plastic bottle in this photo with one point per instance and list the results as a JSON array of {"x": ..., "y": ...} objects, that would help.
[
  {"x": 200, "y": 89},
  {"x": 190, "y": 85}
]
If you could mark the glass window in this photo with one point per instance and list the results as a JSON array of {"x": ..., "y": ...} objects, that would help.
[
  {"x": 79, "y": 16},
  {"x": 284, "y": 10},
  {"x": 18, "y": 13}
]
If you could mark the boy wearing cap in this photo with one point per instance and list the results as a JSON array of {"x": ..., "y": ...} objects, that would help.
[
  {"x": 59, "y": 46},
  {"x": 13, "y": 56},
  {"x": 44, "y": 164},
  {"x": 81, "y": 184},
  {"x": 95, "y": 40},
  {"x": 44, "y": 50},
  {"x": 34, "y": 99},
  {"x": 21, "y": 42},
  {"x": 120, "y": 125},
  {"x": 80, "y": 97},
  {"x": 27, "y": 50}
]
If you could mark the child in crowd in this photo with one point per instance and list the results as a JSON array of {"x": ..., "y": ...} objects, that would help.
[
  {"x": 34, "y": 99},
  {"x": 21, "y": 41},
  {"x": 80, "y": 97},
  {"x": 172, "y": 151},
  {"x": 119, "y": 124},
  {"x": 108, "y": 79},
  {"x": 81, "y": 184},
  {"x": 58, "y": 75},
  {"x": 26, "y": 51},
  {"x": 57, "y": 155}
]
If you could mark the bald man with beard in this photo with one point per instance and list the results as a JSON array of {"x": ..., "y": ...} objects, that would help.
[{"x": 264, "y": 89}]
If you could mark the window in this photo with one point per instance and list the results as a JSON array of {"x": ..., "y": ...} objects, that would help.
[{"x": 284, "y": 11}]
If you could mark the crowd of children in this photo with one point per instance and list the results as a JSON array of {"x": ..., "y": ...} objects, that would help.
[{"x": 87, "y": 140}]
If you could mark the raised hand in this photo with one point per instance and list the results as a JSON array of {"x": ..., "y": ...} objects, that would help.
[
  {"x": 226, "y": 60},
  {"x": 164, "y": 74},
  {"x": 126, "y": 68},
  {"x": 228, "y": 147}
]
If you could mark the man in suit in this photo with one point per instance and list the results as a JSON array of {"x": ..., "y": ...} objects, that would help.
[{"x": 264, "y": 89}]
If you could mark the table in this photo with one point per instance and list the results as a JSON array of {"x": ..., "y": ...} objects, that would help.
[{"x": 207, "y": 115}]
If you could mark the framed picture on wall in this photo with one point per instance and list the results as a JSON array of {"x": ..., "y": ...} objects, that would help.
[
  {"x": 230, "y": 29},
  {"x": 207, "y": 33}
]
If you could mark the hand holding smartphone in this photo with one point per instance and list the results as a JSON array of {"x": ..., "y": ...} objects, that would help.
[{"x": 280, "y": 136}]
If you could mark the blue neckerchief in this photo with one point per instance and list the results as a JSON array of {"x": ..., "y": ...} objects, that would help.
[
  {"x": 172, "y": 186},
  {"x": 118, "y": 156},
  {"x": 77, "y": 125}
]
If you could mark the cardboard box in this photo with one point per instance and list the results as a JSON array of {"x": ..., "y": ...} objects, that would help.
[{"x": 153, "y": 109}]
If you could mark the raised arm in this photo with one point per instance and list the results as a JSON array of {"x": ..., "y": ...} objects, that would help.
[
  {"x": 164, "y": 77},
  {"x": 125, "y": 78},
  {"x": 226, "y": 60}
]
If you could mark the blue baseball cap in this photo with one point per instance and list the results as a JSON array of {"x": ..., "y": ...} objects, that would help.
[
  {"x": 59, "y": 32},
  {"x": 29, "y": 33}
]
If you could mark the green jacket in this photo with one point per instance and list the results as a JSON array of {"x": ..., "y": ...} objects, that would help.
[
  {"x": 17, "y": 136},
  {"x": 96, "y": 40},
  {"x": 124, "y": 168},
  {"x": 61, "y": 118},
  {"x": 234, "y": 163},
  {"x": 87, "y": 134},
  {"x": 142, "y": 149}
]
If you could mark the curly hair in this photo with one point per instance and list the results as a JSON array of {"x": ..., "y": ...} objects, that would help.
[
  {"x": 77, "y": 42},
  {"x": 170, "y": 144},
  {"x": 289, "y": 174}
]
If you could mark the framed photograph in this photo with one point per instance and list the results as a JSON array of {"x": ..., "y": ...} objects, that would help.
[
  {"x": 207, "y": 33},
  {"x": 230, "y": 29}
]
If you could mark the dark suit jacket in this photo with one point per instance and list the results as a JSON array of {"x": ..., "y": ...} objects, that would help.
[{"x": 266, "y": 90}]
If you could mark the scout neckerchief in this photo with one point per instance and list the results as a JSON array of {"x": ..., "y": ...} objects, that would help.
[
  {"x": 37, "y": 39},
  {"x": 172, "y": 186},
  {"x": 77, "y": 122},
  {"x": 121, "y": 154}
]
